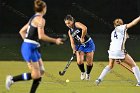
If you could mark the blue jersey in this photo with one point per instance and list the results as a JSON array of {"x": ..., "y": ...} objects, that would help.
[
  {"x": 76, "y": 34},
  {"x": 31, "y": 44},
  {"x": 87, "y": 46},
  {"x": 32, "y": 32}
]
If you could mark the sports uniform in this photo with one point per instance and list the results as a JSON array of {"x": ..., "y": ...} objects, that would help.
[
  {"x": 31, "y": 44},
  {"x": 117, "y": 45},
  {"x": 87, "y": 46},
  {"x": 117, "y": 52}
]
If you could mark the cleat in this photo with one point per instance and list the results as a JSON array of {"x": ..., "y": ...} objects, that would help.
[
  {"x": 98, "y": 81},
  {"x": 138, "y": 85},
  {"x": 9, "y": 82},
  {"x": 87, "y": 76},
  {"x": 82, "y": 75}
]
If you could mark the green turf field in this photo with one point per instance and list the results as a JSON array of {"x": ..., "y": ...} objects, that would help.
[{"x": 119, "y": 80}]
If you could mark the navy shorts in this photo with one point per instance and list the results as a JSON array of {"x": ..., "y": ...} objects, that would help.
[
  {"x": 87, "y": 47},
  {"x": 30, "y": 52}
]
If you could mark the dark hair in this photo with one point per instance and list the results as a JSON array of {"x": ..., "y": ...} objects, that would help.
[
  {"x": 69, "y": 17},
  {"x": 39, "y": 5}
]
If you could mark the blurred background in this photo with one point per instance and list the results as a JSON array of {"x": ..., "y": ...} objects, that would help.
[{"x": 97, "y": 15}]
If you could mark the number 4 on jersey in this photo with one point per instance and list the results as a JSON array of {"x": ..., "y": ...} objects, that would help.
[{"x": 115, "y": 35}]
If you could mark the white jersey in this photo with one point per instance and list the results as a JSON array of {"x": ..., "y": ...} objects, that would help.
[{"x": 118, "y": 38}]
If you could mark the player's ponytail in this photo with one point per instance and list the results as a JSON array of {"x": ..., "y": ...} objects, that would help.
[
  {"x": 118, "y": 22},
  {"x": 39, "y": 5}
]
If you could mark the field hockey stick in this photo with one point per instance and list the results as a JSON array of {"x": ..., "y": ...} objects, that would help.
[
  {"x": 69, "y": 62},
  {"x": 119, "y": 62},
  {"x": 126, "y": 68}
]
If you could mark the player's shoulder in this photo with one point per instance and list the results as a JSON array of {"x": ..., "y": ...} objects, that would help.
[
  {"x": 121, "y": 27},
  {"x": 40, "y": 19}
]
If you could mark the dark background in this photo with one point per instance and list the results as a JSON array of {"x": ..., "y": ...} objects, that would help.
[{"x": 97, "y": 15}]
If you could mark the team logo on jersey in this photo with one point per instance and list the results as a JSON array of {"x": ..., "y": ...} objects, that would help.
[{"x": 75, "y": 33}]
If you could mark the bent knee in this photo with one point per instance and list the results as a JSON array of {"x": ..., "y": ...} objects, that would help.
[
  {"x": 36, "y": 76},
  {"x": 89, "y": 63},
  {"x": 80, "y": 62}
]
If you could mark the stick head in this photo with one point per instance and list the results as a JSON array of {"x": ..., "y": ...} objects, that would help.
[{"x": 61, "y": 73}]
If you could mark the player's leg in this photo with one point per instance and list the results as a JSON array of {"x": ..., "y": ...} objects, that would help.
[
  {"x": 105, "y": 71},
  {"x": 129, "y": 60},
  {"x": 89, "y": 59},
  {"x": 36, "y": 76},
  {"x": 41, "y": 65},
  {"x": 21, "y": 77},
  {"x": 26, "y": 53},
  {"x": 80, "y": 63}
]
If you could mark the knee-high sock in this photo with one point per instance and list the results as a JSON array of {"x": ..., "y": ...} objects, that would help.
[
  {"x": 89, "y": 68},
  {"x": 22, "y": 77},
  {"x": 136, "y": 73},
  {"x": 81, "y": 67},
  {"x": 35, "y": 85},
  {"x": 104, "y": 72}
]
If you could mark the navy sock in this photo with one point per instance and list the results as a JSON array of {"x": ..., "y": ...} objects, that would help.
[
  {"x": 81, "y": 67},
  {"x": 89, "y": 68},
  {"x": 35, "y": 85},
  {"x": 22, "y": 77}
]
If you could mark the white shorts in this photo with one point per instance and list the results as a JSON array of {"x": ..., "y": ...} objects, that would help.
[{"x": 116, "y": 54}]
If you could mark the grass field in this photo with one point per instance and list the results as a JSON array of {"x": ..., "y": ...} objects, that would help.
[{"x": 119, "y": 80}]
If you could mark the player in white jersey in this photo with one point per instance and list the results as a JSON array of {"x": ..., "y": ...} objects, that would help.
[
  {"x": 117, "y": 52},
  {"x": 117, "y": 45}
]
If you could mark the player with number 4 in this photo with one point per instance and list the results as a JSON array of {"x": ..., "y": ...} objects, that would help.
[{"x": 117, "y": 52}]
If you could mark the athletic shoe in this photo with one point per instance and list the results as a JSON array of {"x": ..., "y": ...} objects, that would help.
[
  {"x": 87, "y": 76},
  {"x": 98, "y": 81},
  {"x": 9, "y": 82},
  {"x": 138, "y": 85},
  {"x": 82, "y": 75}
]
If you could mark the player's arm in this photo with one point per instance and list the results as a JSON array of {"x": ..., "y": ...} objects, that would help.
[
  {"x": 134, "y": 22},
  {"x": 43, "y": 36},
  {"x": 84, "y": 30},
  {"x": 72, "y": 42},
  {"x": 23, "y": 31}
]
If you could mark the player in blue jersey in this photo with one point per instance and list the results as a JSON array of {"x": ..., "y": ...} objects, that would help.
[
  {"x": 78, "y": 36},
  {"x": 31, "y": 33}
]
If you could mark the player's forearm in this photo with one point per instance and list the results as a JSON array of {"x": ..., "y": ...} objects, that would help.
[
  {"x": 22, "y": 34},
  {"x": 134, "y": 22},
  {"x": 48, "y": 39},
  {"x": 84, "y": 32},
  {"x": 73, "y": 47}
]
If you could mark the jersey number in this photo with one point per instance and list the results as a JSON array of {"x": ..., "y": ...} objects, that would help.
[{"x": 115, "y": 35}]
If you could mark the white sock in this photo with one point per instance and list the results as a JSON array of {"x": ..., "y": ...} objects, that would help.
[
  {"x": 104, "y": 72},
  {"x": 136, "y": 73}
]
